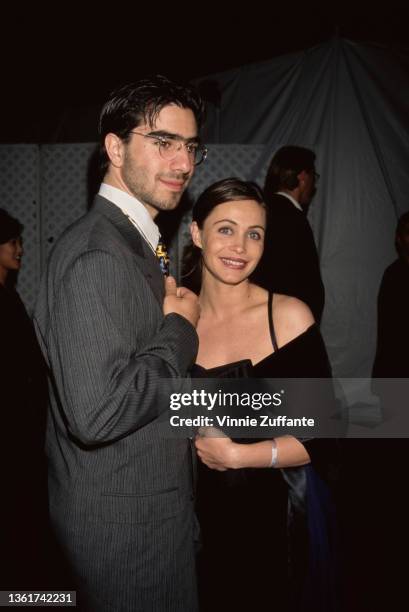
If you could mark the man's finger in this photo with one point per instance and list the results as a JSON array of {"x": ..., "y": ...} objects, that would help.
[
  {"x": 185, "y": 292},
  {"x": 170, "y": 285}
]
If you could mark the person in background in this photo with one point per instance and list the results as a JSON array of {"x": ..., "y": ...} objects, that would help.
[
  {"x": 391, "y": 359},
  {"x": 290, "y": 263},
  {"x": 382, "y": 502},
  {"x": 23, "y": 391}
]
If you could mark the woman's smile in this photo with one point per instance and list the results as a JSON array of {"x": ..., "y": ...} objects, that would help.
[{"x": 234, "y": 262}]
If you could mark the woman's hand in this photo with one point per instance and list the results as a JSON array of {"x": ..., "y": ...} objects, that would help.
[
  {"x": 219, "y": 452},
  {"x": 216, "y": 450}
]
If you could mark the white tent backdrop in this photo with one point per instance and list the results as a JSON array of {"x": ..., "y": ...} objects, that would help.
[
  {"x": 350, "y": 104},
  {"x": 347, "y": 102}
]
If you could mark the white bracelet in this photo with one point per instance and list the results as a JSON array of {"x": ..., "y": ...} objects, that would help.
[{"x": 274, "y": 454}]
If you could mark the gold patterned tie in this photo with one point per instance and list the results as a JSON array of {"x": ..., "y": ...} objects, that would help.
[{"x": 163, "y": 257}]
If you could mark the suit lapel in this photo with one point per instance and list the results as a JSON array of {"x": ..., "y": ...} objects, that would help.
[{"x": 144, "y": 256}]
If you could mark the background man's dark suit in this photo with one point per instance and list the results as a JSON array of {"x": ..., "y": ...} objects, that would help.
[
  {"x": 123, "y": 511},
  {"x": 290, "y": 262},
  {"x": 391, "y": 359}
]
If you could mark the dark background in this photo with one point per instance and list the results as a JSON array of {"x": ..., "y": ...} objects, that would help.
[
  {"x": 57, "y": 68},
  {"x": 58, "y": 65}
]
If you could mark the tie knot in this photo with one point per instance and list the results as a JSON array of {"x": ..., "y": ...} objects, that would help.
[{"x": 163, "y": 257}]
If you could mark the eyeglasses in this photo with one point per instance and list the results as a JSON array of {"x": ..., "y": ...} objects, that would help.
[
  {"x": 169, "y": 147},
  {"x": 316, "y": 176}
]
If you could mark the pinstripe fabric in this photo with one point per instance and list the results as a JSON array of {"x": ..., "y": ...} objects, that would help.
[{"x": 120, "y": 493}]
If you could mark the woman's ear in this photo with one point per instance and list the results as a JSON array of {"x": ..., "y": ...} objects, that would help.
[{"x": 196, "y": 234}]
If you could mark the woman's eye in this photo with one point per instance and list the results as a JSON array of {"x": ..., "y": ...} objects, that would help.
[
  {"x": 225, "y": 230},
  {"x": 255, "y": 235}
]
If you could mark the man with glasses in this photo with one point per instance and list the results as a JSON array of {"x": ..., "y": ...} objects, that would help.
[
  {"x": 290, "y": 263},
  {"x": 112, "y": 328}
]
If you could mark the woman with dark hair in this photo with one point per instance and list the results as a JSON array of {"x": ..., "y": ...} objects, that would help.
[
  {"x": 23, "y": 390},
  {"x": 246, "y": 505},
  {"x": 11, "y": 248}
]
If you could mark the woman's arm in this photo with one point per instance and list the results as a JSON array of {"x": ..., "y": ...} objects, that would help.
[{"x": 221, "y": 453}]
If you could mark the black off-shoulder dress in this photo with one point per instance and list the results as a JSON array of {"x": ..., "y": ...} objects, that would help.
[{"x": 268, "y": 535}]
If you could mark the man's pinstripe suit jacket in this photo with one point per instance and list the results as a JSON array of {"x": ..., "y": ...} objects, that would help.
[{"x": 120, "y": 492}]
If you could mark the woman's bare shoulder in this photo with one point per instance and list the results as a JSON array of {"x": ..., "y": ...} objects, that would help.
[{"x": 291, "y": 316}]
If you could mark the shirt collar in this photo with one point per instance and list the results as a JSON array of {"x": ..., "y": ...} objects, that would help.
[
  {"x": 287, "y": 195},
  {"x": 135, "y": 211}
]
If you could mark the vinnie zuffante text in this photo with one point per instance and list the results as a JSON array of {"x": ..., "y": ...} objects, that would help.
[{"x": 204, "y": 400}]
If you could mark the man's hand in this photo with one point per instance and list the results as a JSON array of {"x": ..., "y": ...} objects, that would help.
[{"x": 180, "y": 300}]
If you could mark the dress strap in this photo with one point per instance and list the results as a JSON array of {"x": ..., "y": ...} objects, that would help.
[{"x": 270, "y": 321}]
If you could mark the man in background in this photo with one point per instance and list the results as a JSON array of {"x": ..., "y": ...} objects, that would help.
[
  {"x": 290, "y": 263},
  {"x": 391, "y": 360}
]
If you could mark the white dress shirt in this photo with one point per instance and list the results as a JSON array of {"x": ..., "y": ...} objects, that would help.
[
  {"x": 135, "y": 211},
  {"x": 287, "y": 195}
]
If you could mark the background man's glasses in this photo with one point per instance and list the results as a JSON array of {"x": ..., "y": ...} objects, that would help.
[{"x": 170, "y": 147}]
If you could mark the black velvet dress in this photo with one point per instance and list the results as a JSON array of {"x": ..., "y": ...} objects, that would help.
[{"x": 267, "y": 534}]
